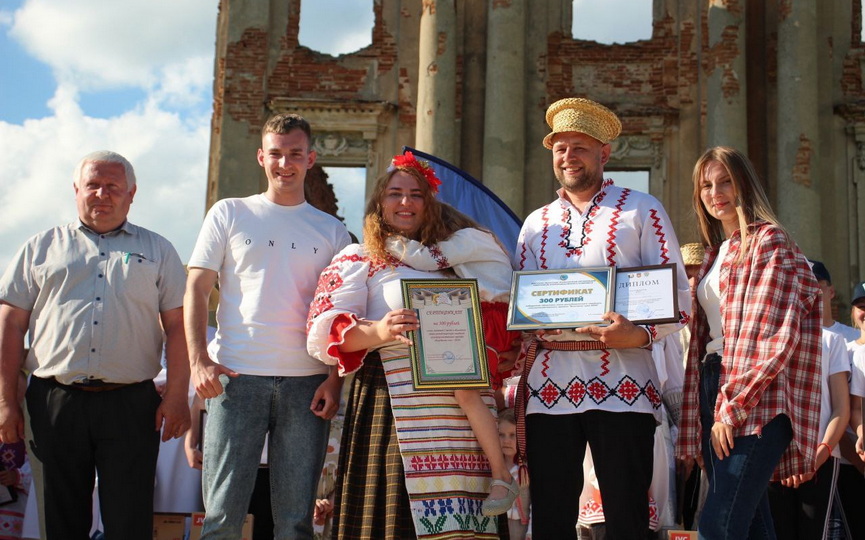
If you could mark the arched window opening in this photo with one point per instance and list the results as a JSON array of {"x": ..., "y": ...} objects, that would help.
[
  {"x": 336, "y": 27},
  {"x": 612, "y": 21}
]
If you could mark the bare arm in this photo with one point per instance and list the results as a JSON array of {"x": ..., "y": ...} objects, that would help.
[
  {"x": 204, "y": 371},
  {"x": 192, "y": 442},
  {"x": 368, "y": 334},
  {"x": 840, "y": 394},
  {"x": 13, "y": 327},
  {"x": 835, "y": 429},
  {"x": 856, "y": 425},
  {"x": 173, "y": 412}
]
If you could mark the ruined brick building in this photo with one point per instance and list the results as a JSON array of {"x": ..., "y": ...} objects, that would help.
[{"x": 469, "y": 80}]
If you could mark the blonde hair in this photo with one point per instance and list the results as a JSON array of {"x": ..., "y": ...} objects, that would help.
[
  {"x": 440, "y": 220},
  {"x": 751, "y": 202},
  {"x": 507, "y": 415}
]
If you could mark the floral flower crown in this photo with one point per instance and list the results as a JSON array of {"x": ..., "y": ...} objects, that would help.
[{"x": 407, "y": 160}]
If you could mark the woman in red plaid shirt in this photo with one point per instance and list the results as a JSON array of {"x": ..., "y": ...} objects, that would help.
[{"x": 752, "y": 382}]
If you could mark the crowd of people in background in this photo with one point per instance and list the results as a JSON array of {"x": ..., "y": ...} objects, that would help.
[{"x": 739, "y": 417}]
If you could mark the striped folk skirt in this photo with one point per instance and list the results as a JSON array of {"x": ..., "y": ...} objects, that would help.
[{"x": 410, "y": 465}]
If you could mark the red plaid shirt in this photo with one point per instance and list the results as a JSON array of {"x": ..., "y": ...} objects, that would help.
[{"x": 770, "y": 315}]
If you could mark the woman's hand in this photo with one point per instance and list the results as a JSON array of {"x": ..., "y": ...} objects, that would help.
[
  {"x": 396, "y": 324},
  {"x": 722, "y": 439},
  {"x": 797, "y": 480}
]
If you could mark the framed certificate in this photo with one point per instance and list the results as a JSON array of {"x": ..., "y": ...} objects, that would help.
[
  {"x": 448, "y": 350},
  {"x": 560, "y": 298},
  {"x": 647, "y": 294}
]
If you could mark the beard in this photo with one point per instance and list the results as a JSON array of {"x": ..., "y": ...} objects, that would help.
[{"x": 584, "y": 182}]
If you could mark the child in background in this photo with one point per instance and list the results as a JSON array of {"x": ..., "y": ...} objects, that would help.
[{"x": 518, "y": 515}]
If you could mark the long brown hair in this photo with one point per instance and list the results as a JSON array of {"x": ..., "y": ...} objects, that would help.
[
  {"x": 440, "y": 219},
  {"x": 751, "y": 202}
]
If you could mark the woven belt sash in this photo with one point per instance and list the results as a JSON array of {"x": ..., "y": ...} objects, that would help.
[{"x": 522, "y": 390}]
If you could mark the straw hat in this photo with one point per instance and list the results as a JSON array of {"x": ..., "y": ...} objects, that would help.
[
  {"x": 693, "y": 254},
  {"x": 583, "y": 116}
]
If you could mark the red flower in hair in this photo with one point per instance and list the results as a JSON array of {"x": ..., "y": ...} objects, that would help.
[{"x": 408, "y": 160}]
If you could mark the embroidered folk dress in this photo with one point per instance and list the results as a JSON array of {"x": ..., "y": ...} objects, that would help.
[
  {"x": 623, "y": 228},
  {"x": 771, "y": 318},
  {"x": 446, "y": 473}
]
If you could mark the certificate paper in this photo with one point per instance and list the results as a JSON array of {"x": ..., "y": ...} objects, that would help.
[
  {"x": 448, "y": 350},
  {"x": 648, "y": 294},
  {"x": 560, "y": 298}
]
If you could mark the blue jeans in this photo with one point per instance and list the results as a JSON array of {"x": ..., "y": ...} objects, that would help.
[
  {"x": 237, "y": 422},
  {"x": 737, "y": 506}
]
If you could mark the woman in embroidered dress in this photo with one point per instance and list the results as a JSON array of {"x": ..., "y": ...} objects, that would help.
[
  {"x": 752, "y": 381},
  {"x": 434, "y": 482}
]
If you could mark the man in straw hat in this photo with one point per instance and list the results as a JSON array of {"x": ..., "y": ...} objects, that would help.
[{"x": 595, "y": 384}]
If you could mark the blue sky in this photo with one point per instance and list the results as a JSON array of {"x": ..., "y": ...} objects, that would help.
[{"x": 135, "y": 76}]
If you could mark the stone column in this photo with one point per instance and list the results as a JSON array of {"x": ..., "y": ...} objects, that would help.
[
  {"x": 436, "y": 96},
  {"x": 727, "y": 97},
  {"x": 504, "y": 117},
  {"x": 856, "y": 206},
  {"x": 539, "y": 183},
  {"x": 798, "y": 199}
]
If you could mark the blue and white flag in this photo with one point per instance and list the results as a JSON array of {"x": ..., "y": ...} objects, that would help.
[{"x": 460, "y": 190}]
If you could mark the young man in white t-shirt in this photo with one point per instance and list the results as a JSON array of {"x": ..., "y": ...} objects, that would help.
[
  {"x": 266, "y": 251},
  {"x": 850, "y": 483},
  {"x": 824, "y": 280}
]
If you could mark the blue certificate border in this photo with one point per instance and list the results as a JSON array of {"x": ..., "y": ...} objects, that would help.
[{"x": 518, "y": 319}]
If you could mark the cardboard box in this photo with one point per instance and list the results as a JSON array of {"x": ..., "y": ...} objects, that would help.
[
  {"x": 169, "y": 526},
  {"x": 198, "y": 521},
  {"x": 681, "y": 535}
]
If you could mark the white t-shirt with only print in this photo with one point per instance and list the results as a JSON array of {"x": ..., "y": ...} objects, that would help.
[{"x": 269, "y": 258}]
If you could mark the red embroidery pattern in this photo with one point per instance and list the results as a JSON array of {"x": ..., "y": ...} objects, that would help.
[
  {"x": 598, "y": 391},
  {"x": 377, "y": 266},
  {"x": 614, "y": 226},
  {"x": 328, "y": 282},
  {"x": 545, "y": 363},
  {"x": 439, "y": 257},
  {"x": 684, "y": 318},
  {"x": 576, "y": 391},
  {"x": 462, "y": 462},
  {"x": 593, "y": 512},
  {"x": 627, "y": 390},
  {"x": 542, "y": 257},
  {"x": 662, "y": 238},
  {"x": 550, "y": 393},
  {"x": 653, "y": 395},
  {"x": 653, "y": 331},
  {"x": 605, "y": 362}
]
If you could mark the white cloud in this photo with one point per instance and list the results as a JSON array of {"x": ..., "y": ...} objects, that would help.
[
  {"x": 187, "y": 83},
  {"x": 100, "y": 44},
  {"x": 168, "y": 153},
  {"x": 92, "y": 45}
]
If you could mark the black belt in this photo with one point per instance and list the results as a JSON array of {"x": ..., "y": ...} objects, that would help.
[{"x": 97, "y": 385}]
